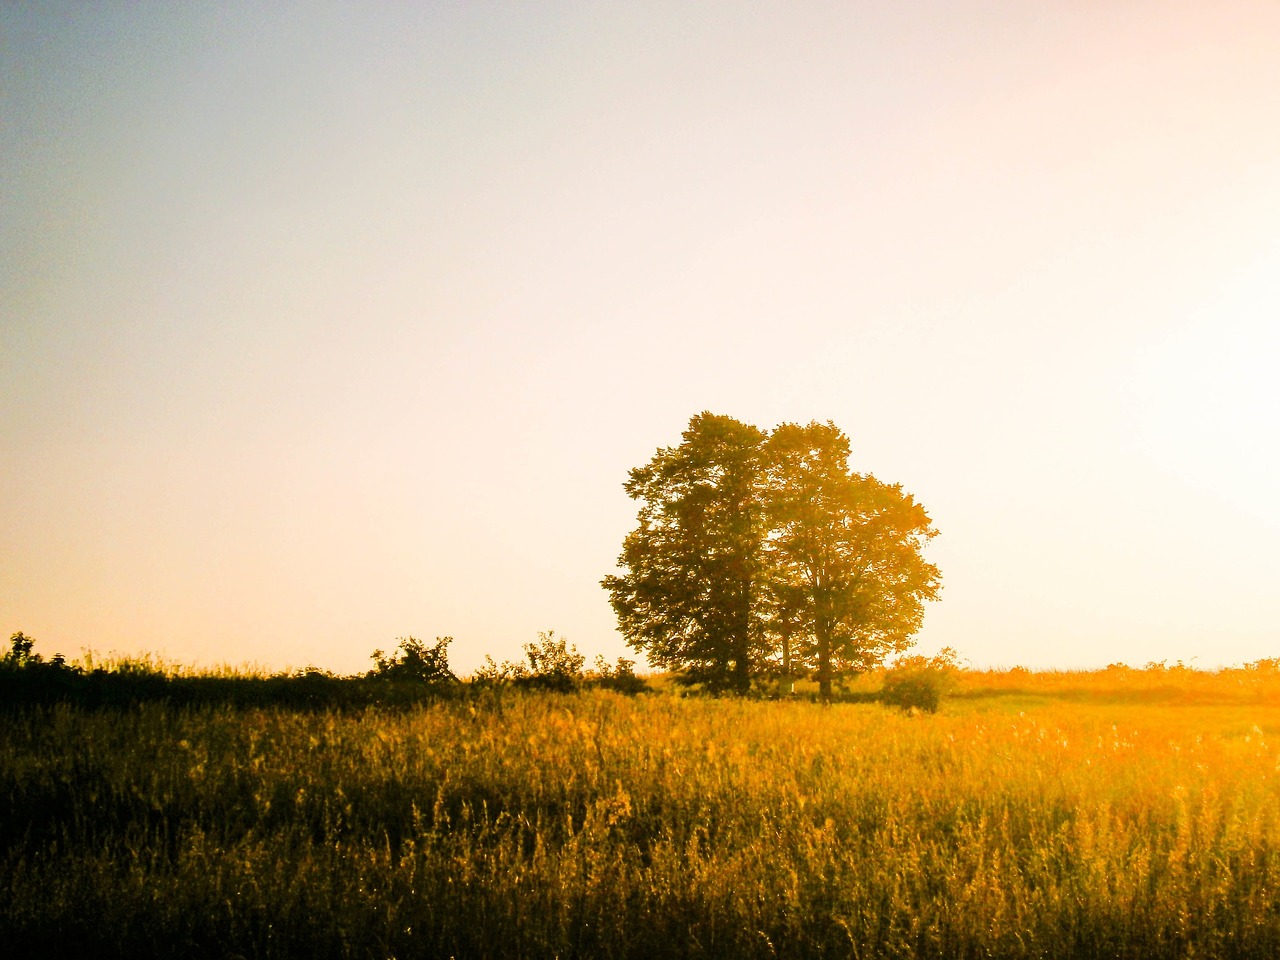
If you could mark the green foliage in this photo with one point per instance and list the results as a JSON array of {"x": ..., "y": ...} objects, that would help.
[
  {"x": 764, "y": 555},
  {"x": 919, "y": 683},
  {"x": 494, "y": 674},
  {"x": 848, "y": 552},
  {"x": 25, "y": 676},
  {"x": 22, "y": 657},
  {"x": 20, "y": 654},
  {"x": 554, "y": 664},
  {"x": 27, "y": 681},
  {"x": 689, "y": 596},
  {"x": 413, "y": 660},
  {"x": 620, "y": 677}
]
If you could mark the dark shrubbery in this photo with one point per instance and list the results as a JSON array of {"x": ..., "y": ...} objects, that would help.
[
  {"x": 26, "y": 679},
  {"x": 552, "y": 663},
  {"x": 494, "y": 674},
  {"x": 414, "y": 660},
  {"x": 414, "y": 672},
  {"x": 25, "y": 676},
  {"x": 20, "y": 657},
  {"x": 620, "y": 677}
]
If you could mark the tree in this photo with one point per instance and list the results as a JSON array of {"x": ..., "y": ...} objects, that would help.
[
  {"x": 851, "y": 545},
  {"x": 789, "y": 625},
  {"x": 759, "y": 552},
  {"x": 691, "y": 595}
]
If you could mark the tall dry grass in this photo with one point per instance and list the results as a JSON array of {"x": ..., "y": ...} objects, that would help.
[{"x": 541, "y": 825}]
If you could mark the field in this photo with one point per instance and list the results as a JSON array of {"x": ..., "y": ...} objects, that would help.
[{"x": 1114, "y": 814}]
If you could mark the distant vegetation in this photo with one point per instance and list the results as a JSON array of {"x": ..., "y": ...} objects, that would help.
[
  {"x": 413, "y": 672},
  {"x": 414, "y": 660},
  {"x": 1119, "y": 813}
]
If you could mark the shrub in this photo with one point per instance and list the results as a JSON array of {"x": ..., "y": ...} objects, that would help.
[
  {"x": 20, "y": 653},
  {"x": 919, "y": 682},
  {"x": 493, "y": 674},
  {"x": 414, "y": 660},
  {"x": 21, "y": 657},
  {"x": 620, "y": 677},
  {"x": 554, "y": 663}
]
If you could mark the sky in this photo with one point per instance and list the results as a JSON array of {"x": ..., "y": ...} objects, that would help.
[{"x": 326, "y": 324}]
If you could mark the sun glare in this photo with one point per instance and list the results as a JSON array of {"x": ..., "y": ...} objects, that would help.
[{"x": 1209, "y": 394}]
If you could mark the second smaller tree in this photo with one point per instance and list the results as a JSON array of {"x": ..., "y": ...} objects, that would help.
[{"x": 850, "y": 546}]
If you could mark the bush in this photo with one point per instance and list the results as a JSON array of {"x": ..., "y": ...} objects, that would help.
[
  {"x": 20, "y": 653},
  {"x": 21, "y": 657},
  {"x": 620, "y": 677},
  {"x": 919, "y": 683},
  {"x": 554, "y": 663},
  {"x": 494, "y": 674},
  {"x": 414, "y": 660}
]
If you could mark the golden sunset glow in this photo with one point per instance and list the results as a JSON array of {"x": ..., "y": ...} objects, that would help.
[
  {"x": 322, "y": 325},
  {"x": 1210, "y": 394}
]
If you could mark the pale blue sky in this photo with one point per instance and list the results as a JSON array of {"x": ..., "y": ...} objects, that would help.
[{"x": 328, "y": 323}]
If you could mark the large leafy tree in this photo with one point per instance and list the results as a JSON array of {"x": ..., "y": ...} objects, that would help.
[
  {"x": 691, "y": 595},
  {"x": 850, "y": 546},
  {"x": 759, "y": 551}
]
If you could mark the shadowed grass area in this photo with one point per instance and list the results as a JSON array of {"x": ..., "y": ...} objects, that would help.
[
  {"x": 99, "y": 688},
  {"x": 515, "y": 824}
]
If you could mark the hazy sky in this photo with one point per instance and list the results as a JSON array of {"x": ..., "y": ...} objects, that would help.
[{"x": 322, "y": 324}]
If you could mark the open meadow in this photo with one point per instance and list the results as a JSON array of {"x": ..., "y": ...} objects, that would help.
[{"x": 1120, "y": 813}]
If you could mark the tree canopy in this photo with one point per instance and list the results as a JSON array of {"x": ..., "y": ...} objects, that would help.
[
  {"x": 758, "y": 553},
  {"x": 691, "y": 592}
]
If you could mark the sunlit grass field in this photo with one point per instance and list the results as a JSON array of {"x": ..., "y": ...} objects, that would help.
[{"x": 1111, "y": 814}]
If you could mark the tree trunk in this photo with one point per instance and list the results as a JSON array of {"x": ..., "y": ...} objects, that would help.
[
  {"x": 822, "y": 633},
  {"x": 742, "y": 658},
  {"x": 824, "y": 662},
  {"x": 786, "y": 662}
]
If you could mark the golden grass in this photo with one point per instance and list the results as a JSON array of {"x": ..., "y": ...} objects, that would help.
[{"x": 1037, "y": 815}]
